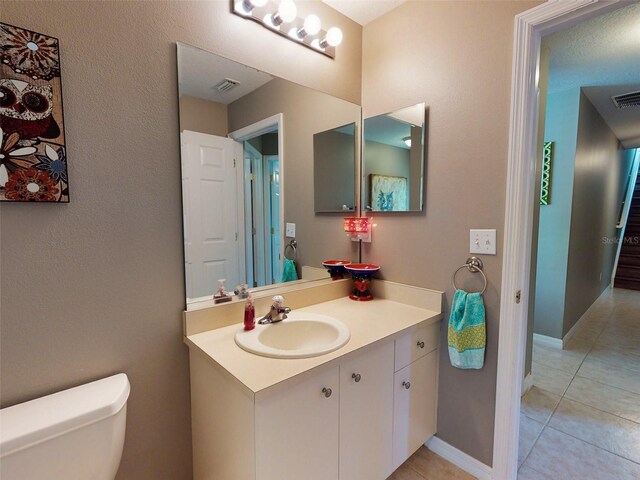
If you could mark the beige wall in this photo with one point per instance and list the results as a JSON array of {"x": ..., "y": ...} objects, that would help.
[
  {"x": 305, "y": 112},
  {"x": 96, "y": 286},
  {"x": 456, "y": 57},
  {"x": 203, "y": 116}
]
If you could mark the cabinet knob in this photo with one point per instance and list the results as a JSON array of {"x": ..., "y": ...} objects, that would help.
[
  {"x": 327, "y": 392},
  {"x": 406, "y": 385},
  {"x": 421, "y": 344},
  {"x": 356, "y": 377}
]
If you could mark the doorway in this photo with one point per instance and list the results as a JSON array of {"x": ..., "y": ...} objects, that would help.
[
  {"x": 262, "y": 199},
  {"x": 530, "y": 27}
]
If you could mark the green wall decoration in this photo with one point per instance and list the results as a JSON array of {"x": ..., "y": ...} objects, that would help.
[{"x": 547, "y": 165}]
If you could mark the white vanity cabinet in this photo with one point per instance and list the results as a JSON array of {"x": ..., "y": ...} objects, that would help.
[
  {"x": 366, "y": 419},
  {"x": 351, "y": 420},
  {"x": 415, "y": 392},
  {"x": 297, "y": 430}
]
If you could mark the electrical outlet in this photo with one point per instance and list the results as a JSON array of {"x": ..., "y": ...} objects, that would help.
[
  {"x": 482, "y": 242},
  {"x": 291, "y": 230}
]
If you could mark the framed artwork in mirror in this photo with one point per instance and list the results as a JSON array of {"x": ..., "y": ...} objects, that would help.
[
  {"x": 388, "y": 193},
  {"x": 33, "y": 160}
]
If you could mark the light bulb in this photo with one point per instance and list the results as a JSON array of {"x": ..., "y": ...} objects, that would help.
[
  {"x": 287, "y": 10},
  {"x": 312, "y": 24},
  {"x": 242, "y": 8},
  {"x": 334, "y": 36},
  {"x": 270, "y": 21}
]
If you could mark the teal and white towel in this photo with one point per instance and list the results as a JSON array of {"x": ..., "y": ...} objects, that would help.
[
  {"x": 467, "y": 332},
  {"x": 289, "y": 273}
]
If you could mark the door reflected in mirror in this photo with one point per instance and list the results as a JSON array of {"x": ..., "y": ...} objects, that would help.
[
  {"x": 247, "y": 148},
  {"x": 394, "y": 160}
]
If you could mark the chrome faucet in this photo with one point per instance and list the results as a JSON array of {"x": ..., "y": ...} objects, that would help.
[{"x": 277, "y": 313}]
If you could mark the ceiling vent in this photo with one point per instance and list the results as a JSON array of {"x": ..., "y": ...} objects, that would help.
[
  {"x": 631, "y": 99},
  {"x": 226, "y": 85}
]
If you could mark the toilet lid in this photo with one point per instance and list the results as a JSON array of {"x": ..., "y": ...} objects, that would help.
[{"x": 35, "y": 421}]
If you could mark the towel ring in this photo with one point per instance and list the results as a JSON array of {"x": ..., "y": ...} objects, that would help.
[
  {"x": 293, "y": 246},
  {"x": 474, "y": 265}
]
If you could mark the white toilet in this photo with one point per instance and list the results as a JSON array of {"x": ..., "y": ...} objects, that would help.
[{"x": 76, "y": 434}]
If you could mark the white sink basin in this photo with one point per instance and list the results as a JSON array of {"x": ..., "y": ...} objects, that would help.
[{"x": 300, "y": 335}]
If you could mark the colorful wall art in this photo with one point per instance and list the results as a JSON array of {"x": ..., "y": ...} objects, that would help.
[
  {"x": 33, "y": 160},
  {"x": 547, "y": 165},
  {"x": 388, "y": 194}
]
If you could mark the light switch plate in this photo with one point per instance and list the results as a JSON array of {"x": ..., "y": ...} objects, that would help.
[
  {"x": 291, "y": 230},
  {"x": 482, "y": 241}
]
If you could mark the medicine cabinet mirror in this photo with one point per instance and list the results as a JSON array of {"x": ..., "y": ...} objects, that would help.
[
  {"x": 394, "y": 161},
  {"x": 334, "y": 169},
  {"x": 247, "y": 148}
]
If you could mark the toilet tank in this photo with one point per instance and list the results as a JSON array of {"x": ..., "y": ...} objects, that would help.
[{"x": 76, "y": 434}]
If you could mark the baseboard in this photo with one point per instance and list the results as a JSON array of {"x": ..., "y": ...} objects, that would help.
[
  {"x": 548, "y": 341},
  {"x": 527, "y": 383},
  {"x": 583, "y": 318},
  {"x": 459, "y": 458}
]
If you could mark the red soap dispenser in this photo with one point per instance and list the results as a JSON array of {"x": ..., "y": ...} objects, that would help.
[{"x": 249, "y": 314}]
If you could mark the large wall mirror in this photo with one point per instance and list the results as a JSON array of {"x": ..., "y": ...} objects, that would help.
[
  {"x": 247, "y": 147},
  {"x": 394, "y": 161}
]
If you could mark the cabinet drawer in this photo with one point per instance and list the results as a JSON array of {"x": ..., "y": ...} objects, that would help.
[{"x": 416, "y": 344}]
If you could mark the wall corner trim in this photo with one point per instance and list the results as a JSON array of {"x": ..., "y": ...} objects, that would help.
[{"x": 459, "y": 458}]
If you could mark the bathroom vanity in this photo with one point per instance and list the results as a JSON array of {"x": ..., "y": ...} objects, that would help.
[{"x": 355, "y": 413}]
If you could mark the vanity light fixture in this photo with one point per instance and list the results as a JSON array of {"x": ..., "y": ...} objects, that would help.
[
  {"x": 282, "y": 17},
  {"x": 407, "y": 140},
  {"x": 358, "y": 228}
]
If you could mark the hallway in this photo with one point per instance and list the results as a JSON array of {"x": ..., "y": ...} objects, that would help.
[{"x": 581, "y": 419}]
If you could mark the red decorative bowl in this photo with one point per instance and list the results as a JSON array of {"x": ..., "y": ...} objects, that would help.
[
  {"x": 362, "y": 269},
  {"x": 336, "y": 268}
]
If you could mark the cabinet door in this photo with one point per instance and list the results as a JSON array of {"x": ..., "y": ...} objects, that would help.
[
  {"x": 414, "y": 406},
  {"x": 366, "y": 415},
  {"x": 297, "y": 431}
]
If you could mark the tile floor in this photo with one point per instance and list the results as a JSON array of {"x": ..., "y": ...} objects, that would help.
[
  {"x": 581, "y": 419},
  {"x": 426, "y": 465}
]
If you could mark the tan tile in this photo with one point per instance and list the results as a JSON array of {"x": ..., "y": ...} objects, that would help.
[
  {"x": 405, "y": 472},
  {"x": 566, "y": 360},
  {"x": 434, "y": 467},
  {"x": 560, "y": 456},
  {"x": 615, "y": 358},
  {"x": 539, "y": 404},
  {"x": 602, "y": 372},
  {"x": 550, "y": 379},
  {"x": 606, "y": 398},
  {"x": 526, "y": 473},
  {"x": 598, "y": 428},
  {"x": 529, "y": 432}
]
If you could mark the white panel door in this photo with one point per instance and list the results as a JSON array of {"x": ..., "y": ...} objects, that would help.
[
  {"x": 414, "y": 406},
  {"x": 297, "y": 431},
  {"x": 366, "y": 415},
  {"x": 211, "y": 213}
]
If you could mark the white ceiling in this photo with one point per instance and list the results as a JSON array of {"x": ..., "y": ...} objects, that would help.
[
  {"x": 200, "y": 71},
  {"x": 602, "y": 53},
  {"x": 363, "y": 11}
]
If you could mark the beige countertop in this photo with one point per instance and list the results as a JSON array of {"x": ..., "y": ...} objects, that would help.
[{"x": 369, "y": 323}]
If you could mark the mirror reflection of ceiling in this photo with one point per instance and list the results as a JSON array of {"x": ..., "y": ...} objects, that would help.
[
  {"x": 393, "y": 128},
  {"x": 604, "y": 55},
  {"x": 203, "y": 71},
  {"x": 386, "y": 130}
]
